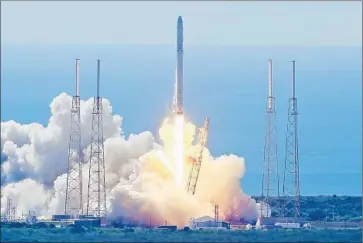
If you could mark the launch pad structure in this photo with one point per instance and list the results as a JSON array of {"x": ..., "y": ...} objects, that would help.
[
  {"x": 216, "y": 212},
  {"x": 285, "y": 207},
  {"x": 291, "y": 181},
  {"x": 197, "y": 162},
  {"x": 74, "y": 202},
  {"x": 11, "y": 212},
  {"x": 270, "y": 174},
  {"x": 96, "y": 193},
  {"x": 96, "y": 200}
]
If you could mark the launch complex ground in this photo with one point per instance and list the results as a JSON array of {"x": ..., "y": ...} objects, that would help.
[
  {"x": 150, "y": 235},
  {"x": 275, "y": 211}
]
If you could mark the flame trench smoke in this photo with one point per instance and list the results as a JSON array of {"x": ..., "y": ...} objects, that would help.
[{"x": 145, "y": 181}]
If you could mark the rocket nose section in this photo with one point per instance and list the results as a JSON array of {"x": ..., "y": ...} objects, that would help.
[{"x": 180, "y": 20}]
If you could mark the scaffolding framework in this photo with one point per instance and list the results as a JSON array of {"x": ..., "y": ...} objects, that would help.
[
  {"x": 194, "y": 172},
  {"x": 14, "y": 212},
  {"x": 216, "y": 212},
  {"x": 291, "y": 182},
  {"x": 96, "y": 202},
  {"x": 11, "y": 211},
  {"x": 270, "y": 174},
  {"x": 74, "y": 202},
  {"x": 8, "y": 209}
]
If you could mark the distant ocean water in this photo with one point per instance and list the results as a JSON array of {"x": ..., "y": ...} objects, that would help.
[{"x": 227, "y": 84}]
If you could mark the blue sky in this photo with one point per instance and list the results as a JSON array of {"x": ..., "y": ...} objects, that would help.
[
  {"x": 205, "y": 23},
  {"x": 233, "y": 79}
]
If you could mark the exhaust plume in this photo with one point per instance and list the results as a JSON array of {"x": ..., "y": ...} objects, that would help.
[{"x": 142, "y": 181}]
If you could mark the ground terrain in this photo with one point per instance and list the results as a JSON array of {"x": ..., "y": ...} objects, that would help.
[
  {"x": 125, "y": 235},
  {"x": 319, "y": 210}
]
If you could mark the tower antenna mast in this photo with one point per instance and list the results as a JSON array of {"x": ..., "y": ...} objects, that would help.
[
  {"x": 270, "y": 175},
  {"x": 291, "y": 182},
  {"x": 96, "y": 201},
  {"x": 74, "y": 201}
]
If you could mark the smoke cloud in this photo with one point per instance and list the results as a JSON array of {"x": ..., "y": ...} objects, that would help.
[{"x": 140, "y": 183}]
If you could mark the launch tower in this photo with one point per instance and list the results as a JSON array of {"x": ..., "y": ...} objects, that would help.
[
  {"x": 8, "y": 209},
  {"x": 73, "y": 202},
  {"x": 216, "y": 212},
  {"x": 270, "y": 175},
  {"x": 11, "y": 212},
  {"x": 197, "y": 162},
  {"x": 96, "y": 203},
  {"x": 291, "y": 183}
]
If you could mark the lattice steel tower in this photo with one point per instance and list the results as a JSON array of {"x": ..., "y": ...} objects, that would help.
[
  {"x": 74, "y": 202},
  {"x": 96, "y": 203},
  {"x": 216, "y": 212},
  {"x": 197, "y": 162},
  {"x": 291, "y": 184},
  {"x": 9, "y": 209},
  {"x": 270, "y": 174},
  {"x": 11, "y": 212}
]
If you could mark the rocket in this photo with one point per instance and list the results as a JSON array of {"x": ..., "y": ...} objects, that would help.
[{"x": 178, "y": 88}]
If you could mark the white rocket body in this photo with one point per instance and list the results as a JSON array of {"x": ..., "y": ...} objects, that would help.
[{"x": 178, "y": 89}]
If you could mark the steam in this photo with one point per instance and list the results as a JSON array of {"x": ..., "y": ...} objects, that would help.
[{"x": 139, "y": 184}]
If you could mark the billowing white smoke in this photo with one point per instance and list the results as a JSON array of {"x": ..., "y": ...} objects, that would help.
[
  {"x": 263, "y": 209},
  {"x": 139, "y": 184},
  {"x": 40, "y": 153}
]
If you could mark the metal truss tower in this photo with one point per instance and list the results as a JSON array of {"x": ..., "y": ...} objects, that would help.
[
  {"x": 291, "y": 183},
  {"x": 9, "y": 209},
  {"x": 197, "y": 162},
  {"x": 96, "y": 203},
  {"x": 14, "y": 212},
  {"x": 74, "y": 202},
  {"x": 270, "y": 174},
  {"x": 216, "y": 212}
]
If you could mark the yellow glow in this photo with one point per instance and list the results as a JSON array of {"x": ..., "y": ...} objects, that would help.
[
  {"x": 166, "y": 162},
  {"x": 177, "y": 138},
  {"x": 179, "y": 148}
]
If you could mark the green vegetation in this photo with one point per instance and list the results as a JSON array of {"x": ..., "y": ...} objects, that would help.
[
  {"x": 329, "y": 208},
  {"x": 122, "y": 235},
  {"x": 317, "y": 208}
]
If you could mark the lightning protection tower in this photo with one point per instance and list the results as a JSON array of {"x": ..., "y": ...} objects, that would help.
[
  {"x": 8, "y": 209},
  {"x": 270, "y": 174},
  {"x": 96, "y": 203},
  {"x": 14, "y": 212},
  {"x": 291, "y": 184},
  {"x": 73, "y": 203},
  {"x": 216, "y": 212}
]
